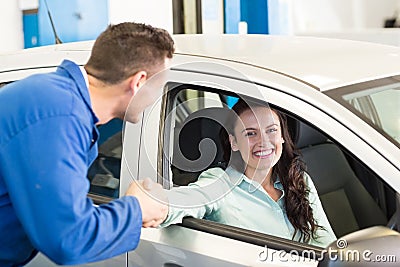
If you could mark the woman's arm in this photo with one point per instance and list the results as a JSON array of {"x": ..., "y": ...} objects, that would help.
[{"x": 198, "y": 199}]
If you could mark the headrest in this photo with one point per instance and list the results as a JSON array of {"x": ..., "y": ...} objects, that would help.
[
  {"x": 199, "y": 143},
  {"x": 307, "y": 136}
]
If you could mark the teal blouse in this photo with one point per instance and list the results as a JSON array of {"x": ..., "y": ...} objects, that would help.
[{"x": 229, "y": 197}]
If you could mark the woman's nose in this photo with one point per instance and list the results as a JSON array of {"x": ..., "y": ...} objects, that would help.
[{"x": 264, "y": 138}]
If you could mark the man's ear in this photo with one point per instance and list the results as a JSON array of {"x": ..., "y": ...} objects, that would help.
[
  {"x": 232, "y": 141},
  {"x": 137, "y": 80}
]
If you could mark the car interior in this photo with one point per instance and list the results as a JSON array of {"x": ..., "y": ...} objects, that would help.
[
  {"x": 341, "y": 192},
  {"x": 353, "y": 197},
  {"x": 201, "y": 129}
]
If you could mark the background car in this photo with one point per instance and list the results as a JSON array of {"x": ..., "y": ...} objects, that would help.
[{"x": 342, "y": 99}]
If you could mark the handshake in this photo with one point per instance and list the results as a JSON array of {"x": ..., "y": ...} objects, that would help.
[{"x": 152, "y": 199}]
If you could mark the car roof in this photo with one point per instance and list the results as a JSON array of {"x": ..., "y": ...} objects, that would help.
[{"x": 321, "y": 62}]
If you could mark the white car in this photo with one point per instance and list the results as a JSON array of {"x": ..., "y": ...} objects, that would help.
[{"x": 342, "y": 99}]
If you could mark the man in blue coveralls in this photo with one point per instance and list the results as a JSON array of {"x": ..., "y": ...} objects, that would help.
[{"x": 48, "y": 141}]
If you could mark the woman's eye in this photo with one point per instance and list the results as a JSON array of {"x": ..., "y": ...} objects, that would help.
[
  {"x": 272, "y": 130},
  {"x": 250, "y": 134}
]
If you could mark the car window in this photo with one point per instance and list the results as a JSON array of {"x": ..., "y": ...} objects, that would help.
[
  {"x": 187, "y": 104},
  {"x": 376, "y": 102},
  {"x": 348, "y": 190}
]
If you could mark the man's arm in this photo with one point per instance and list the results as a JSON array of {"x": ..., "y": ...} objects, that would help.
[
  {"x": 153, "y": 201},
  {"x": 45, "y": 167}
]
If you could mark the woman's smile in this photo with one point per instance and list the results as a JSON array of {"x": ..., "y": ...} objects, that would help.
[{"x": 263, "y": 154}]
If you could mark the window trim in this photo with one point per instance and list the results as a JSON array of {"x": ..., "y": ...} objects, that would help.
[
  {"x": 251, "y": 237},
  {"x": 228, "y": 231}
]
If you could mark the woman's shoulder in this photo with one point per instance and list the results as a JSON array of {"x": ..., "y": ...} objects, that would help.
[
  {"x": 307, "y": 177},
  {"x": 309, "y": 182}
]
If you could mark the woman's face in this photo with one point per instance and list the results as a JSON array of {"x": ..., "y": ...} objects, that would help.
[{"x": 258, "y": 138}]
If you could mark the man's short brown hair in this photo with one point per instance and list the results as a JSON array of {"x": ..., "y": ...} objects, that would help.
[{"x": 126, "y": 48}]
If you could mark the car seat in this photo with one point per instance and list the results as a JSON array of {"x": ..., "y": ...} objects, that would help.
[
  {"x": 197, "y": 146},
  {"x": 346, "y": 202}
]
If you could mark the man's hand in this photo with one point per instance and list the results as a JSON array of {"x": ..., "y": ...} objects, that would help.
[{"x": 152, "y": 199}]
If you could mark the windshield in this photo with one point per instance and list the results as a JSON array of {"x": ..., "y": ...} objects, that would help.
[{"x": 376, "y": 102}]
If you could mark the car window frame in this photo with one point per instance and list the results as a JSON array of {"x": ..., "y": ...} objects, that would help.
[
  {"x": 231, "y": 232},
  {"x": 207, "y": 226}
]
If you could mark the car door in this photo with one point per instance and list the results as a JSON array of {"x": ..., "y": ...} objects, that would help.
[{"x": 198, "y": 242}]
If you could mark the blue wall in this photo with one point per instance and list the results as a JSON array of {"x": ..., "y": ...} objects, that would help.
[
  {"x": 254, "y": 12},
  {"x": 74, "y": 20},
  {"x": 31, "y": 30},
  {"x": 231, "y": 16}
]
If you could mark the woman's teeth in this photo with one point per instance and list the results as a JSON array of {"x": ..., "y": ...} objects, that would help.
[{"x": 263, "y": 153}]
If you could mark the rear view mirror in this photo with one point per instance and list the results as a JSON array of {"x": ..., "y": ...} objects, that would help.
[{"x": 373, "y": 246}]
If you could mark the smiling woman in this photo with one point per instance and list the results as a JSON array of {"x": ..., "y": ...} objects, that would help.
[{"x": 264, "y": 188}]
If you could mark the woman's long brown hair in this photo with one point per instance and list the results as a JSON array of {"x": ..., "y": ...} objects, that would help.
[{"x": 290, "y": 170}]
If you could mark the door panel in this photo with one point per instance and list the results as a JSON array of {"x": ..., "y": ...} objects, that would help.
[{"x": 180, "y": 246}]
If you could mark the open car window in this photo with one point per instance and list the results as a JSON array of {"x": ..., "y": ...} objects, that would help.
[
  {"x": 344, "y": 184},
  {"x": 104, "y": 173}
]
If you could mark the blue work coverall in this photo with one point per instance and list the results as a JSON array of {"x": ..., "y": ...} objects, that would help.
[{"x": 47, "y": 143}]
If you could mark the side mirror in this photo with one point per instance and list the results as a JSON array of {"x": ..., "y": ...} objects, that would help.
[{"x": 373, "y": 246}]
